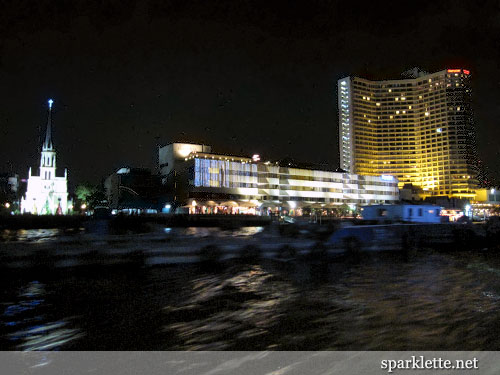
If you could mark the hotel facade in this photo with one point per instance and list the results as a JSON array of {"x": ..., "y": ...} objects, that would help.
[
  {"x": 419, "y": 130},
  {"x": 205, "y": 182}
]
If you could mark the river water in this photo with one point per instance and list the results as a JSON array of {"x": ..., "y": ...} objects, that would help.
[{"x": 385, "y": 301}]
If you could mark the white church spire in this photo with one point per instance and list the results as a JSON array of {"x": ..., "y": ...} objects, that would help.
[
  {"x": 47, "y": 144},
  {"x": 48, "y": 157}
]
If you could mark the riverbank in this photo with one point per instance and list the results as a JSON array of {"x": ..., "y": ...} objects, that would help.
[
  {"x": 134, "y": 223},
  {"x": 169, "y": 245}
]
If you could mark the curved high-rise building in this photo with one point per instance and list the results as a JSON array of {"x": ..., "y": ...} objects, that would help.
[{"x": 419, "y": 130}]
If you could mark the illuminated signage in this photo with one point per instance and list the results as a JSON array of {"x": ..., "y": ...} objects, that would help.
[
  {"x": 466, "y": 71},
  {"x": 454, "y": 70},
  {"x": 387, "y": 177}
]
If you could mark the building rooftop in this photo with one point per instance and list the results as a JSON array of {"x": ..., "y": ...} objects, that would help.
[{"x": 215, "y": 156}]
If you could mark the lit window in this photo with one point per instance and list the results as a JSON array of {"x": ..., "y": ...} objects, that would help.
[
  {"x": 458, "y": 108},
  {"x": 378, "y": 104},
  {"x": 396, "y": 99},
  {"x": 390, "y": 90},
  {"x": 397, "y": 112},
  {"x": 409, "y": 107},
  {"x": 427, "y": 113}
]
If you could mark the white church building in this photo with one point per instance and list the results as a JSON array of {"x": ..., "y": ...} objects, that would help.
[{"x": 47, "y": 194}]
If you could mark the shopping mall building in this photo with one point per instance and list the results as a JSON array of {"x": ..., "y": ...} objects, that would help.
[{"x": 205, "y": 182}]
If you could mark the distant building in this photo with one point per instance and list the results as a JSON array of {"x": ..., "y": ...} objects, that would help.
[
  {"x": 411, "y": 193},
  {"x": 9, "y": 192},
  {"x": 47, "y": 193},
  {"x": 9, "y": 184},
  {"x": 419, "y": 130},
  {"x": 205, "y": 182},
  {"x": 133, "y": 190},
  {"x": 175, "y": 152}
]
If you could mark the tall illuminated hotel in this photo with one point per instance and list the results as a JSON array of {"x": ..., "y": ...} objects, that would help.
[{"x": 419, "y": 130}]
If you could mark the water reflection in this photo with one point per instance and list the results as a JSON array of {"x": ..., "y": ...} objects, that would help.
[
  {"x": 31, "y": 235},
  {"x": 28, "y": 326},
  {"x": 214, "y": 232},
  {"x": 378, "y": 303},
  {"x": 429, "y": 300},
  {"x": 223, "y": 312},
  {"x": 98, "y": 228}
]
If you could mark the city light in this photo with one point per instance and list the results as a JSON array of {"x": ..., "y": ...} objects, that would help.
[
  {"x": 185, "y": 150},
  {"x": 468, "y": 210},
  {"x": 7, "y": 205},
  {"x": 83, "y": 206},
  {"x": 50, "y": 103}
]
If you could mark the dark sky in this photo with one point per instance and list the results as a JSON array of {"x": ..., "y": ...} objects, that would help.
[{"x": 244, "y": 76}]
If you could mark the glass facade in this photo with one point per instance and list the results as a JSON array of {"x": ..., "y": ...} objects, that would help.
[
  {"x": 269, "y": 184},
  {"x": 224, "y": 174}
]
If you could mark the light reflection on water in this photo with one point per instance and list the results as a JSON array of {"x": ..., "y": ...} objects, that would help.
[
  {"x": 214, "y": 232},
  {"x": 43, "y": 235},
  {"x": 377, "y": 304},
  {"x": 31, "y": 235},
  {"x": 240, "y": 306},
  {"x": 28, "y": 326},
  {"x": 427, "y": 300}
]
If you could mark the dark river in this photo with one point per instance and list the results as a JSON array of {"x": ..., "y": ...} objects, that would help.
[{"x": 427, "y": 300}]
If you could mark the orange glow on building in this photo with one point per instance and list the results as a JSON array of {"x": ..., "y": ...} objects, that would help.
[{"x": 406, "y": 135}]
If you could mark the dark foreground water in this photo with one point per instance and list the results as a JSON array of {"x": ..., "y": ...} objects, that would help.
[{"x": 426, "y": 300}]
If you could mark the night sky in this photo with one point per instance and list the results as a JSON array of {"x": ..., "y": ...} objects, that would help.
[{"x": 244, "y": 76}]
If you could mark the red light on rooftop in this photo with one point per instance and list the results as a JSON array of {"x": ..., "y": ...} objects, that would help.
[
  {"x": 454, "y": 70},
  {"x": 466, "y": 71}
]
